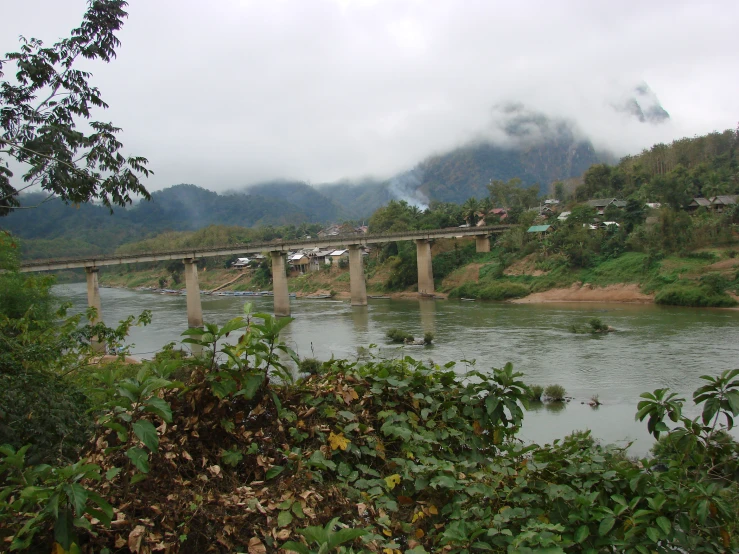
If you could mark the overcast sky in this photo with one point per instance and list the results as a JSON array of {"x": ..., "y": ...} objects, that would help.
[{"x": 225, "y": 93}]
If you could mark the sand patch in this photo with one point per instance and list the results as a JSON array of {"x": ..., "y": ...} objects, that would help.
[{"x": 588, "y": 293}]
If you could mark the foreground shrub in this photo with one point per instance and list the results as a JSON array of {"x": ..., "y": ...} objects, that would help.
[{"x": 693, "y": 296}]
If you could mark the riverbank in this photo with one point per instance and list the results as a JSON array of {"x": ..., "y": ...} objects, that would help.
[{"x": 580, "y": 292}]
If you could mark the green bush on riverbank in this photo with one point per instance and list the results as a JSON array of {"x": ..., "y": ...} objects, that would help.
[{"x": 688, "y": 294}]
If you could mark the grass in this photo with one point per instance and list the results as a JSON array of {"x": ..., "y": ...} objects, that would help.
[
  {"x": 627, "y": 268},
  {"x": 498, "y": 290},
  {"x": 691, "y": 295}
]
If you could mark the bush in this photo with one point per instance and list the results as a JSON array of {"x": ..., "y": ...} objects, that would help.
[
  {"x": 597, "y": 326},
  {"x": 428, "y": 337},
  {"x": 310, "y": 365},
  {"x": 45, "y": 411},
  {"x": 535, "y": 392},
  {"x": 555, "y": 393},
  {"x": 693, "y": 296},
  {"x": 398, "y": 335}
]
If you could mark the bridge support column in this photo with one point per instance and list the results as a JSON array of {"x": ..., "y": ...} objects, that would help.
[
  {"x": 279, "y": 284},
  {"x": 93, "y": 301},
  {"x": 194, "y": 307},
  {"x": 356, "y": 276},
  {"x": 482, "y": 243},
  {"x": 425, "y": 270}
]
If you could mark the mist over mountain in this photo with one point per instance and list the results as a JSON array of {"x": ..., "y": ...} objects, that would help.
[{"x": 517, "y": 142}]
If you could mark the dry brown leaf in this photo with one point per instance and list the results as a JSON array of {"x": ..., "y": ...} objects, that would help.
[
  {"x": 135, "y": 538},
  {"x": 120, "y": 542},
  {"x": 186, "y": 455},
  {"x": 282, "y": 534},
  {"x": 215, "y": 470},
  {"x": 256, "y": 546}
]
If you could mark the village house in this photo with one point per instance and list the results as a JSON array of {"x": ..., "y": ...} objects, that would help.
[
  {"x": 298, "y": 262},
  {"x": 240, "y": 263},
  {"x": 717, "y": 203},
  {"x": 720, "y": 203}
]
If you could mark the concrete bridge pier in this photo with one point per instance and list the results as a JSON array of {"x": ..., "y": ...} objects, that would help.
[
  {"x": 194, "y": 306},
  {"x": 279, "y": 284},
  {"x": 93, "y": 301},
  {"x": 356, "y": 276},
  {"x": 425, "y": 270},
  {"x": 482, "y": 243},
  {"x": 93, "y": 292}
]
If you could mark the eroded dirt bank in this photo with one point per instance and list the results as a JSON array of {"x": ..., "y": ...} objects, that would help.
[{"x": 588, "y": 293}]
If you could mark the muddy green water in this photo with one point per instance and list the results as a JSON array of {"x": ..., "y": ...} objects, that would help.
[{"x": 653, "y": 347}]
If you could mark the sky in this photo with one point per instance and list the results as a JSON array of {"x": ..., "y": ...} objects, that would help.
[{"x": 227, "y": 93}]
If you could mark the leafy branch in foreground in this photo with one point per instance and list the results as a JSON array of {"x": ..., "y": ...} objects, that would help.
[{"x": 40, "y": 110}]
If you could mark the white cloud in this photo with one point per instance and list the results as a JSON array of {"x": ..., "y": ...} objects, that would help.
[{"x": 230, "y": 92}]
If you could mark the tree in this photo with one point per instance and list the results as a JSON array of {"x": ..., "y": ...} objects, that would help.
[{"x": 39, "y": 114}]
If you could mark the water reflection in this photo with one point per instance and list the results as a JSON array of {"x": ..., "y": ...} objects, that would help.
[
  {"x": 360, "y": 318},
  {"x": 427, "y": 310},
  {"x": 555, "y": 407}
]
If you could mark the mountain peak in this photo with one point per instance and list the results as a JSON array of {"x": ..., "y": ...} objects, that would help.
[{"x": 642, "y": 103}]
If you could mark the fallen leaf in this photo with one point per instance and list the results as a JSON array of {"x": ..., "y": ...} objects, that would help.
[
  {"x": 256, "y": 546},
  {"x": 419, "y": 533},
  {"x": 338, "y": 441},
  {"x": 120, "y": 542},
  {"x": 405, "y": 500},
  {"x": 392, "y": 480},
  {"x": 348, "y": 395},
  {"x": 135, "y": 538},
  {"x": 432, "y": 510}
]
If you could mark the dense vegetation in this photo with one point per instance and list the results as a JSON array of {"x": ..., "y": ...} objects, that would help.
[{"x": 673, "y": 174}]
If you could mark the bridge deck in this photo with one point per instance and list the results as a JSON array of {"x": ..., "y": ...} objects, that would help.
[{"x": 273, "y": 246}]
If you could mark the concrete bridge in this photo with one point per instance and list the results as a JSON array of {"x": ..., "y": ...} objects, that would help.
[{"x": 278, "y": 251}]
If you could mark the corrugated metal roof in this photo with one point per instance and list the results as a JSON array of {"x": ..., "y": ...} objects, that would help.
[{"x": 539, "y": 228}]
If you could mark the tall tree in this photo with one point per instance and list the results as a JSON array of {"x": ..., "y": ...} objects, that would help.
[{"x": 41, "y": 107}]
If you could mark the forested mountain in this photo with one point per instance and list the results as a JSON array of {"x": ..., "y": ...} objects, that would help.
[
  {"x": 55, "y": 229},
  {"x": 670, "y": 173}
]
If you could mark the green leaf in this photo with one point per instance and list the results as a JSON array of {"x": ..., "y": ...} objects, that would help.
[
  {"x": 105, "y": 513},
  {"x": 582, "y": 533},
  {"x": 298, "y": 510},
  {"x": 146, "y": 431},
  {"x": 111, "y": 473},
  {"x": 653, "y": 534},
  {"x": 63, "y": 529},
  {"x": 664, "y": 524},
  {"x": 606, "y": 525},
  {"x": 344, "y": 535},
  {"x": 77, "y": 496},
  {"x": 284, "y": 519},
  {"x": 159, "y": 407},
  {"x": 139, "y": 457},
  {"x": 296, "y": 546},
  {"x": 273, "y": 472},
  {"x": 232, "y": 457}
]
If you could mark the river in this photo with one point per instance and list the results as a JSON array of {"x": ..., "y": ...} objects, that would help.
[{"x": 653, "y": 346}]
